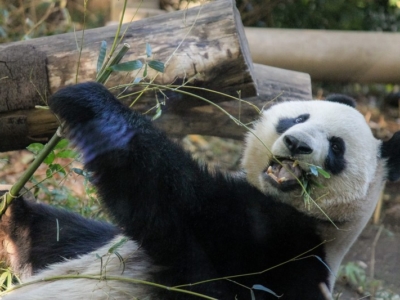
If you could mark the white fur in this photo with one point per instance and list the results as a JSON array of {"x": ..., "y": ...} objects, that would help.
[
  {"x": 348, "y": 198},
  {"x": 326, "y": 119},
  {"x": 137, "y": 266}
]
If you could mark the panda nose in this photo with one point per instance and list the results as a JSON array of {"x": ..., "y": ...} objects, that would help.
[{"x": 295, "y": 146}]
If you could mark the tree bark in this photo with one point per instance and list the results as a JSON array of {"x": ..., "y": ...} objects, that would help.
[
  {"x": 20, "y": 128},
  {"x": 206, "y": 43}
]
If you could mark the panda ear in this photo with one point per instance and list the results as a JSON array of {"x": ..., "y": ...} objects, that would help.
[
  {"x": 390, "y": 150},
  {"x": 343, "y": 99}
]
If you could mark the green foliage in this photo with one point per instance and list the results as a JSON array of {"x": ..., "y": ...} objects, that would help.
[
  {"x": 137, "y": 64},
  {"x": 59, "y": 167},
  {"x": 127, "y": 66},
  {"x": 322, "y": 14},
  {"x": 7, "y": 278},
  {"x": 353, "y": 274},
  {"x": 30, "y": 19}
]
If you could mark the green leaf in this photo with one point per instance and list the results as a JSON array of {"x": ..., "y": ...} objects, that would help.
[
  {"x": 263, "y": 288},
  {"x": 117, "y": 245},
  {"x": 145, "y": 70},
  {"x": 3, "y": 278},
  {"x": 9, "y": 279},
  {"x": 78, "y": 171},
  {"x": 323, "y": 172},
  {"x": 148, "y": 50},
  {"x": 49, "y": 158},
  {"x": 158, "y": 113},
  {"x": 127, "y": 66},
  {"x": 62, "y": 144},
  {"x": 35, "y": 148},
  {"x": 102, "y": 56},
  {"x": 316, "y": 184},
  {"x": 313, "y": 170},
  {"x": 57, "y": 168},
  {"x": 67, "y": 153},
  {"x": 49, "y": 173},
  {"x": 157, "y": 65}
]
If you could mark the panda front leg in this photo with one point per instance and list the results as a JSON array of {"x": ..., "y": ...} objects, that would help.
[
  {"x": 152, "y": 188},
  {"x": 35, "y": 235}
]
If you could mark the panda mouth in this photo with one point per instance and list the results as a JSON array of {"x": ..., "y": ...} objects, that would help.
[{"x": 284, "y": 173}]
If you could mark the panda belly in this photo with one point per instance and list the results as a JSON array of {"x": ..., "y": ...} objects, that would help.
[{"x": 135, "y": 265}]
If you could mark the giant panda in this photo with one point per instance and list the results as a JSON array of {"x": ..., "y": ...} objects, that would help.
[{"x": 182, "y": 230}]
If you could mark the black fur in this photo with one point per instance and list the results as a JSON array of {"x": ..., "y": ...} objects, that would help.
[
  {"x": 344, "y": 99},
  {"x": 198, "y": 225},
  {"x": 390, "y": 150},
  {"x": 335, "y": 161},
  {"x": 285, "y": 123},
  {"x": 33, "y": 228}
]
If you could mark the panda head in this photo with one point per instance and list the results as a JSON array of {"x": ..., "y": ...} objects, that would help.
[{"x": 303, "y": 135}]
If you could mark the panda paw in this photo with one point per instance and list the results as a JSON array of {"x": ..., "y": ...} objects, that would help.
[{"x": 95, "y": 120}]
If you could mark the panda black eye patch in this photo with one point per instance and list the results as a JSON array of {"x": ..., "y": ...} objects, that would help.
[
  {"x": 335, "y": 161},
  {"x": 285, "y": 123}
]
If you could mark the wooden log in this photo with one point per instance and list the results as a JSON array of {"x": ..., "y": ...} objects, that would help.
[
  {"x": 329, "y": 55},
  {"x": 274, "y": 84},
  {"x": 20, "y": 128},
  {"x": 205, "y": 42}
]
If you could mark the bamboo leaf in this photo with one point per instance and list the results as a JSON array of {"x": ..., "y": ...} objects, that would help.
[
  {"x": 127, "y": 66},
  {"x": 62, "y": 144},
  {"x": 67, "y": 153},
  {"x": 78, "y": 171},
  {"x": 57, "y": 168},
  {"x": 263, "y": 288},
  {"x": 148, "y": 50},
  {"x": 313, "y": 170},
  {"x": 157, "y": 65},
  {"x": 35, "y": 148},
  {"x": 158, "y": 113},
  {"x": 253, "y": 297},
  {"x": 102, "y": 56},
  {"x": 9, "y": 279},
  {"x": 323, "y": 172},
  {"x": 49, "y": 158},
  {"x": 3, "y": 278},
  {"x": 117, "y": 245}
]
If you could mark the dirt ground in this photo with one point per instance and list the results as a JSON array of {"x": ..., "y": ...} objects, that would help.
[{"x": 378, "y": 250}]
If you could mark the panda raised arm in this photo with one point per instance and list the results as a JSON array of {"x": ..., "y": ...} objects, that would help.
[{"x": 212, "y": 233}]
